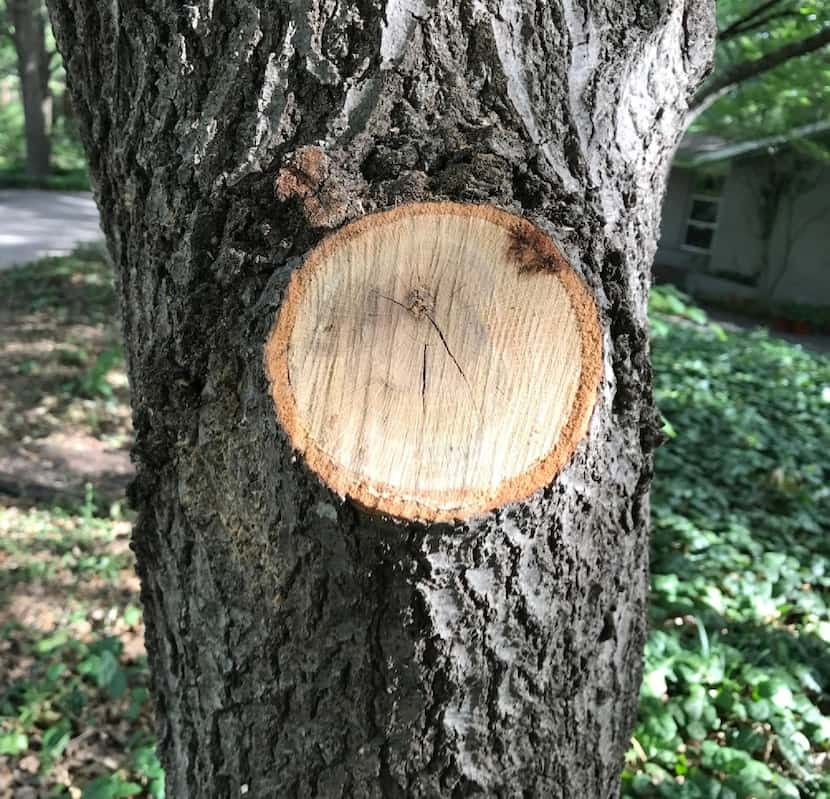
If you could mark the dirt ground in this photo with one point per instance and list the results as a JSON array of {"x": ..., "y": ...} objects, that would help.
[
  {"x": 64, "y": 414},
  {"x": 75, "y": 716}
]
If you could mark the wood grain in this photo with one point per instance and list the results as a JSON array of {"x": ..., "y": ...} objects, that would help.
[{"x": 435, "y": 361}]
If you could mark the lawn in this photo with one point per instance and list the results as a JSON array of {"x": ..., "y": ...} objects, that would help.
[
  {"x": 736, "y": 691},
  {"x": 75, "y": 717}
]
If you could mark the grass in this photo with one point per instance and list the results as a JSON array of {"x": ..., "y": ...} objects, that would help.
[
  {"x": 75, "y": 718},
  {"x": 736, "y": 692},
  {"x": 15, "y": 177},
  {"x": 61, "y": 371}
]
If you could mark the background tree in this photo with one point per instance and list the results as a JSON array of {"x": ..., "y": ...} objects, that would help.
[
  {"x": 8, "y": 57},
  {"x": 28, "y": 31},
  {"x": 300, "y": 646}
]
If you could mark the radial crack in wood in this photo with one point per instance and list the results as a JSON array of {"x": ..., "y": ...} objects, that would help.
[{"x": 435, "y": 361}]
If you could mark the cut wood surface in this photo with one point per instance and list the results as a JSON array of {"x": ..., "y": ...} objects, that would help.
[{"x": 435, "y": 361}]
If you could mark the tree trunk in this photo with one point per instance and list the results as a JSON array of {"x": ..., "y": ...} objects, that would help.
[
  {"x": 301, "y": 646},
  {"x": 28, "y": 19}
]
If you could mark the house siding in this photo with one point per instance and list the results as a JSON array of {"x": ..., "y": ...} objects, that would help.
[
  {"x": 800, "y": 245},
  {"x": 675, "y": 208},
  {"x": 738, "y": 246},
  {"x": 797, "y": 241},
  {"x": 670, "y": 250}
]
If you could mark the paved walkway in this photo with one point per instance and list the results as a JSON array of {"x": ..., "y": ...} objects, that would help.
[
  {"x": 816, "y": 342},
  {"x": 34, "y": 224}
]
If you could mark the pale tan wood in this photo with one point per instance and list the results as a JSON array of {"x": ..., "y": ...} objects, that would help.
[{"x": 435, "y": 361}]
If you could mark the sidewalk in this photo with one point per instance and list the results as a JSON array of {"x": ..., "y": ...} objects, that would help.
[{"x": 34, "y": 224}]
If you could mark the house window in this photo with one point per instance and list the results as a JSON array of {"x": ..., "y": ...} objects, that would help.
[{"x": 703, "y": 213}]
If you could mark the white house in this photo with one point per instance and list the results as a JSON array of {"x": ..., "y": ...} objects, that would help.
[{"x": 749, "y": 223}]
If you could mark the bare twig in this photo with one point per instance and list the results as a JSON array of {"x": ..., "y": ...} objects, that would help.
[
  {"x": 751, "y": 26},
  {"x": 730, "y": 31}
]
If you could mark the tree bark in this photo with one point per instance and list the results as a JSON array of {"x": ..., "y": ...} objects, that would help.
[
  {"x": 29, "y": 20},
  {"x": 300, "y": 646}
]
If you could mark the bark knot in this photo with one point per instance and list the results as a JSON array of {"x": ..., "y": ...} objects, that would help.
[
  {"x": 420, "y": 302},
  {"x": 307, "y": 176}
]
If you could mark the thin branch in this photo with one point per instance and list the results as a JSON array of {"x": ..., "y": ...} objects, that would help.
[
  {"x": 751, "y": 26},
  {"x": 750, "y": 69},
  {"x": 728, "y": 32}
]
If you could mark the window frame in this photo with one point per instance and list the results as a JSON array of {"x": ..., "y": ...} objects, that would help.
[{"x": 701, "y": 194}]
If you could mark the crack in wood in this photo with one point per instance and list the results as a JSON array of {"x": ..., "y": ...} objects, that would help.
[
  {"x": 443, "y": 341},
  {"x": 424, "y": 380},
  {"x": 449, "y": 351}
]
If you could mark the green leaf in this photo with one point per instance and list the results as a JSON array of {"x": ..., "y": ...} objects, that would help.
[
  {"x": 107, "y": 669},
  {"x": 759, "y": 710},
  {"x": 146, "y": 762},
  {"x": 49, "y": 644},
  {"x": 110, "y": 786},
  {"x": 138, "y": 696},
  {"x": 13, "y": 743},
  {"x": 695, "y": 702},
  {"x": 661, "y": 725},
  {"x": 54, "y": 741},
  {"x": 132, "y": 616},
  {"x": 117, "y": 685}
]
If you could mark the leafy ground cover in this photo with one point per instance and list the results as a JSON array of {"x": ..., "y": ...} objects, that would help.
[
  {"x": 736, "y": 692},
  {"x": 64, "y": 417},
  {"x": 75, "y": 718}
]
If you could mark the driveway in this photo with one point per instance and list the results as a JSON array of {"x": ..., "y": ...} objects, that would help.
[{"x": 34, "y": 224}]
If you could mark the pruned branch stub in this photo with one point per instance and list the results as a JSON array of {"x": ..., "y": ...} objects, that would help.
[{"x": 435, "y": 361}]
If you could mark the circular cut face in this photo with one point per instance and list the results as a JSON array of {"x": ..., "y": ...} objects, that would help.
[{"x": 435, "y": 361}]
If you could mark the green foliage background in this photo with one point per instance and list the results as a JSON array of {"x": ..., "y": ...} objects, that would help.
[
  {"x": 791, "y": 95},
  {"x": 735, "y": 700},
  {"x": 68, "y": 159}
]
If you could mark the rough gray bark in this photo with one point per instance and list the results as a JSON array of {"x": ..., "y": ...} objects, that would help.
[
  {"x": 28, "y": 18},
  {"x": 301, "y": 648}
]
